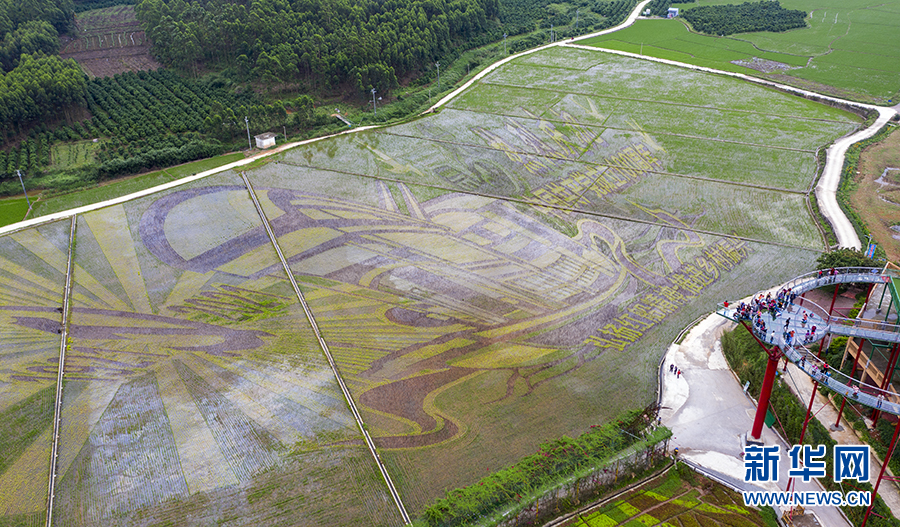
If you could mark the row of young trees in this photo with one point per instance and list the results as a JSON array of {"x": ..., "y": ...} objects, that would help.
[
  {"x": 154, "y": 119},
  {"x": 728, "y": 19},
  {"x": 369, "y": 42}
]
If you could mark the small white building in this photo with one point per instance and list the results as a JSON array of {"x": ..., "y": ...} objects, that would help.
[
  {"x": 266, "y": 140},
  {"x": 672, "y": 13}
]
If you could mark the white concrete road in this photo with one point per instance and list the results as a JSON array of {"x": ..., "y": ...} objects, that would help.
[
  {"x": 825, "y": 191},
  {"x": 708, "y": 413}
]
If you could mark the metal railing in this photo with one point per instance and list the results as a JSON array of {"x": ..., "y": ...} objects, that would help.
[{"x": 796, "y": 351}]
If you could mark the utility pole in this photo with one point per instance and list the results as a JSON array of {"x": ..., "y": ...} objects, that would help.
[
  {"x": 19, "y": 172},
  {"x": 576, "y": 20},
  {"x": 247, "y": 122},
  {"x": 504, "y": 44},
  {"x": 375, "y": 108},
  {"x": 551, "y": 33},
  {"x": 438, "y": 64}
]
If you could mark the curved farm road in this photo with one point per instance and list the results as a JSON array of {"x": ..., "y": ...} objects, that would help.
[{"x": 825, "y": 191}]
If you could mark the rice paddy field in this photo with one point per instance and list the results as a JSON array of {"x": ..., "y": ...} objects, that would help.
[
  {"x": 672, "y": 499},
  {"x": 502, "y": 273},
  {"x": 848, "y": 48}
]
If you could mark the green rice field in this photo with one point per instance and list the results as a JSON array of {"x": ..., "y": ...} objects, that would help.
[
  {"x": 848, "y": 48},
  {"x": 675, "y": 498},
  {"x": 123, "y": 187},
  {"x": 12, "y": 210},
  {"x": 535, "y": 246}
]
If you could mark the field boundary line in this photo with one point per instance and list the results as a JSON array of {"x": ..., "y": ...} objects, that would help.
[
  {"x": 651, "y": 101},
  {"x": 607, "y": 127},
  {"x": 562, "y": 208},
  {"x": 57, "y": 409},
  {"x": 629, "y": 20},
  {"x": 826, "y": 190},
  {"x": 312, "y": 321},
  {"x": 579, "y": 161}
]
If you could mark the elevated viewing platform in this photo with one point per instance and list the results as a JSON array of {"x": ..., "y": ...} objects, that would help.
[{"x": 778, "y": 319}]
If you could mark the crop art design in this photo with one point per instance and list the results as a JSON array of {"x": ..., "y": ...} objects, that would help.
[{"x": 411, "y": 302}]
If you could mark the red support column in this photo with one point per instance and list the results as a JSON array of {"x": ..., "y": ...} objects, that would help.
[
  {"x": 889, "y": 372},
  {"x": 765, "y": 392},
  {"x": 764, "y": 395},
  {"x": 881, "y": 474},
  {"x": 837, "y": 424},
  {"x": 833, "y": 300},
  {"x": 805, "y": 422}
]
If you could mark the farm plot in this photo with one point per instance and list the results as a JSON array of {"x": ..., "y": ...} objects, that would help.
[
  {"x": 194, "y": 383},
  {"x": 459, "y": 321},
  {"x": 73, "y": 155},
  {"x": 846, "y": 49},
  {"x": 472, "y": 273},
  {"x": 877, "y": 193},
  {"x": 676, "y": 498},
  {"x": 32, "y": 279},
  {"x": 109, "y": 41},
  {"x": 482, "y": 315},
  {"x": 626, "y": 78}
]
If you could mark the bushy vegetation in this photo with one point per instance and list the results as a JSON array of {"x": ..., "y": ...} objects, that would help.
[
  {"x": 554, "y": 462},
  {"x": 845, "y": 257},
  {"x": 81, "y": 6},
  {"x": 38, "y": 88},
  {"x": 749, "y": 362},
  {"x": 728, "y": 19}
]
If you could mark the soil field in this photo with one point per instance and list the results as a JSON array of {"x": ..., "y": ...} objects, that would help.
[
  {"x": 877, "y": 195},
  {"x": 109, "y": 41}
]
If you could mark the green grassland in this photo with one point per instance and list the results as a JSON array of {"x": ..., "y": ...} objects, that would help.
[
  {"x": 847, "y": 49},
  {"x": 12, "y": 210},
  {"x": 123, "y": 187},
  {"x": 472, "y": 272}
]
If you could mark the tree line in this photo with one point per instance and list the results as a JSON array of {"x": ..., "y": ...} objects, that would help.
[
  {"x": 369, "y": 43},
  {"x": 40, "y": 87},
  {"x": 728, "y": 19},
  {"x": 154, "y": 119}
]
